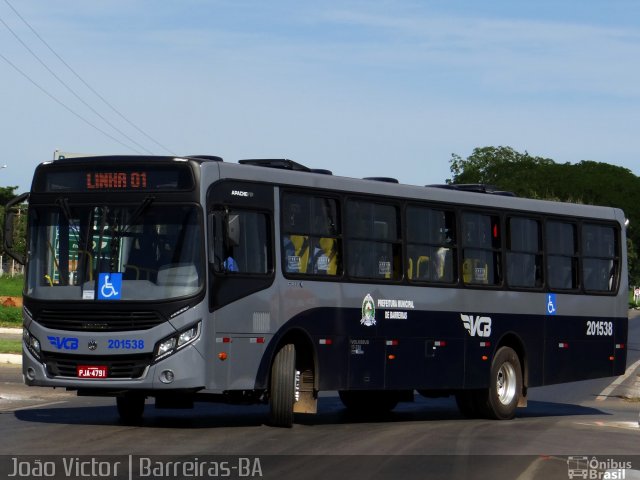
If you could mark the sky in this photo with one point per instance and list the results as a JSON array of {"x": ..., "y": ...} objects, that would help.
[{"x": 362, "y": 88}]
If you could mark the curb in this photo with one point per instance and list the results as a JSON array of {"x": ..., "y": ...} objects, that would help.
[
  {"x": 10, "y": 331},
  {"x": 10, "y": 358}
]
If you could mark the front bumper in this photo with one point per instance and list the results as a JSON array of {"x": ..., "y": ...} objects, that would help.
[{"x": 187, "y": 367}]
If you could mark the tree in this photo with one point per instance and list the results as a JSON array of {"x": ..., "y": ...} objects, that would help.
[
  {"x": 634, "y": 264},
  {"x": 499, "y": 166},
  {"x": 6, "y": 194},
  {"x": 588, "y": 182}
]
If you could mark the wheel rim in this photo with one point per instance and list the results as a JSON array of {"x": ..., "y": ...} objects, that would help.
[{"x": 506, "y": 383}]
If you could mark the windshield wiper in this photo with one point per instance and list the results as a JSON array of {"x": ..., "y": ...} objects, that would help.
[
  {"x": 63, "y": 205},
  {"x": 146, "y": 203}
]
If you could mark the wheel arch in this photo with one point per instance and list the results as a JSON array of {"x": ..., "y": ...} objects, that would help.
[
  {"x": 513, "y": 341},
  {"x": 306, "y": 366},
  {"x": 306, "y": 355}
]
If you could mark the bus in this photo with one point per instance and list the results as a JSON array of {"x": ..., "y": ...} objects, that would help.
[{"x": 192, "y": 279}]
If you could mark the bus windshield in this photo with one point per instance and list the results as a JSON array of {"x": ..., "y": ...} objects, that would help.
[{"x": 152, "y": 251}]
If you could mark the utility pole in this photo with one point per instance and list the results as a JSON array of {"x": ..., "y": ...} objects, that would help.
[{"x": 2, "y": 254}]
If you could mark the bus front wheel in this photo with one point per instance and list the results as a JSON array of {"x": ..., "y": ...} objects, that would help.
[
  {"x": 500, "y": 400},
  {"x": 282, "y": 391}
]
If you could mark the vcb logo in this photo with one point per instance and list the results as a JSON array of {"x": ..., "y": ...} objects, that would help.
[
  {"x": 64, "y": 343},
  {"x": 477, "y": 325}
]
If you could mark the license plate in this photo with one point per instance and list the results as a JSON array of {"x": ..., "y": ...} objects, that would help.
[{"x": 91, "y": 371}]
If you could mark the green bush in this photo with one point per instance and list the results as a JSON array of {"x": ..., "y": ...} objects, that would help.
[
  {"x": 10, "y": 317},
  {"x": 632, "y": 304}
]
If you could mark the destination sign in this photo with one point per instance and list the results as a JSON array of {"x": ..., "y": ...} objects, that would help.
[
  {"x": 109, "y": 177},
  {"x": 116, "y": 180}
]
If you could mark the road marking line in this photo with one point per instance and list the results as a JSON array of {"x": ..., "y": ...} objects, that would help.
[
  {"x": 623, "y": 425},
  {"x": 40, "y": 405},
  {"x": 607, "y": 391}
]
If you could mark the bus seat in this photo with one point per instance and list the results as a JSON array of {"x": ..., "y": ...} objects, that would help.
[
  {"x": 296, "y": 249},
  {"x": 475, "y": 271},
  {"x": 143, "y": 257},
  {"x": 326, "y": 258},
  {"x": 141, "y": 273},
  {"x": 422, "y": 267}
]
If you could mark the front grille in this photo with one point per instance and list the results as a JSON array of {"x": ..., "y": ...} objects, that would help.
[
  {"x": 63, "y": 365},
  {"x": 98, "y": 321}
]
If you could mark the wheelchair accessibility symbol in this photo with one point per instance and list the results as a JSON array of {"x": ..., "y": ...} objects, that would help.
[
  {"x": 551, "y": 304},
  {"x": 109, "y": 286}
]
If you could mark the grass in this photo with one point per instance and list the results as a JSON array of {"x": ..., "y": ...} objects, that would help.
[
  {"x": 10, "y": 317},
  {"x": 11, "y": 346},
  {"x": 11, "y": 286}
]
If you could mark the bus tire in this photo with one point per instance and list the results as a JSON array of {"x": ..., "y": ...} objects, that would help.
[
  {"x": 500, "y": 400},
  {"x": 283, "y": 387},
  {"x": 130, "y": 408},
  {"x": 368, "y": 402}
]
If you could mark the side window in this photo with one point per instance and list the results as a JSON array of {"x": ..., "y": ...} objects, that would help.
[
  {"x": 600, "y": 262},
  {"x": 431, "y": 241},
  {"x": 481, "y": 237},
  {"x": 373, "y": 241},
  {"x": 242, "y": 242},
  {"x": 311, "y": 237},
  {"x": 562, "y": 259},
  {"x": 524, "y": 253}
]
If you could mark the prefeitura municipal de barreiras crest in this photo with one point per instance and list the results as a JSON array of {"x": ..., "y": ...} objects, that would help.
[{"x": 368, "y": 311}]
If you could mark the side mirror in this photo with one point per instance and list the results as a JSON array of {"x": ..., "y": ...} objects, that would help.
[{"x": 9, "y": 227}]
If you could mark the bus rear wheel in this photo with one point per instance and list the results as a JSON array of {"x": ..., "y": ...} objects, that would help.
[
  {"x": 500, "y": 400},
  {"x": 283, "y": 386},
  {"x": 130, "y": 408}
]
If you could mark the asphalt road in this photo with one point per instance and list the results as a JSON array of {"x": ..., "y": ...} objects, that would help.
[{"x": 424, "y": 439}]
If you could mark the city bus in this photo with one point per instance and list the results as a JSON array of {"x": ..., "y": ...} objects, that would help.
[{"x": 192, "y": 279}]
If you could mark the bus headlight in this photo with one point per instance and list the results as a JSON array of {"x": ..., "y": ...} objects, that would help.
[
  {"x": 31, "y": 342},
  {"x": 188, "y": 335},
  {"x": 166, "y": 346},
  {"x": 177, "y": 341}
]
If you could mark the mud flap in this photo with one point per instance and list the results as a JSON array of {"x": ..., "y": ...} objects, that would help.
[{"x": 307, "y": 397}]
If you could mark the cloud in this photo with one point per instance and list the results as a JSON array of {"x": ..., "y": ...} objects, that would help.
[{"x": 511, "y": 55}]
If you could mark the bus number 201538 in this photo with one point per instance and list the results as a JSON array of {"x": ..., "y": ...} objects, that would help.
[{"x": 599, "y": 328}]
